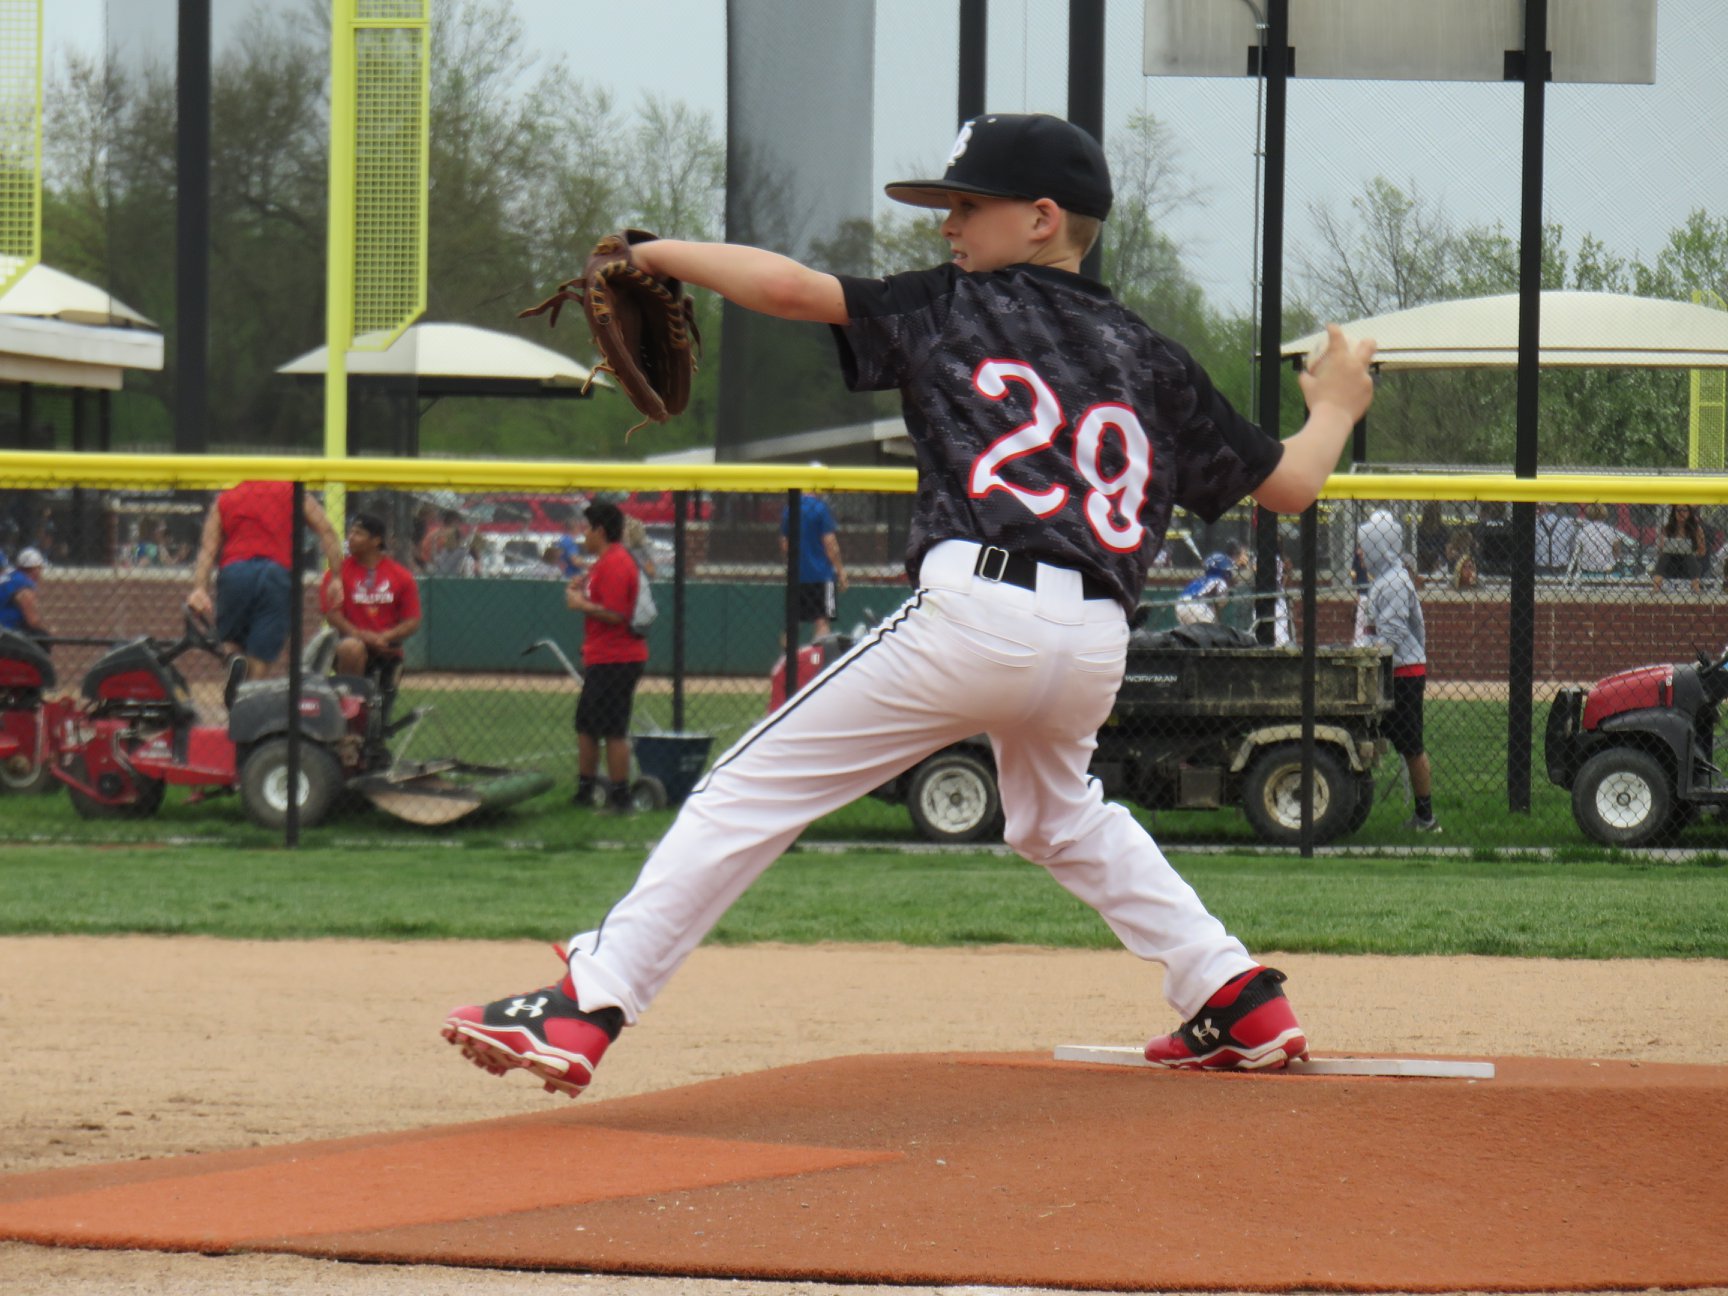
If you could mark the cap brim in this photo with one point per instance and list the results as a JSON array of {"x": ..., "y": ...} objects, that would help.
[{"x": 934, "y": 193}]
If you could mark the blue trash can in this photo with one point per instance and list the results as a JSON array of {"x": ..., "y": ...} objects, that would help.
[{"x": 676, "y": 759}]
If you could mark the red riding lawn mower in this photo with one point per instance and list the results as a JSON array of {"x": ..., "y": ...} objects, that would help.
[
  {"x": 133, "y": 729},
  {"x": 1637, "y": 751}
]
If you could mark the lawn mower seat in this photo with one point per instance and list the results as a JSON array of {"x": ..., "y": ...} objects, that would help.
[{"x": 320, "y": 653}]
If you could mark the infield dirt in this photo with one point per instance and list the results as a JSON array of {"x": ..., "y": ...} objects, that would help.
[{"x": 121, "y": 1048}]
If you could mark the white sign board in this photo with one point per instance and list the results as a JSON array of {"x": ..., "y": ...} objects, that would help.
[{"x": 1611, "y": 41}]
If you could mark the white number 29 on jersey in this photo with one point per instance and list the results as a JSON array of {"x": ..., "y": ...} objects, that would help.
[{"x": 1112, "y": 506}]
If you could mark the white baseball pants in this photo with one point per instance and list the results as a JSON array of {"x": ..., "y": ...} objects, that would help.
[{"x": 1036, "y": 670}]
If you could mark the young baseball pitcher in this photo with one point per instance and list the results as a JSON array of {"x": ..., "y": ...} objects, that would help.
[{"x": 1055, "y": 431}]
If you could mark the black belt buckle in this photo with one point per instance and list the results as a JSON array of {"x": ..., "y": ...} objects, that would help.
[{"x": 988, "y": 556}]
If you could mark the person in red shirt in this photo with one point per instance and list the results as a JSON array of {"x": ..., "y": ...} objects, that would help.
[
  {"x": 380, "y": 604},
  {"x": 251, "y": 527},
  {"x": 613, "y": 657}
]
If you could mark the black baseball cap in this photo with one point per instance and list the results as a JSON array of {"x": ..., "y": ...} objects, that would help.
[{"x": 1019, "y": 155}]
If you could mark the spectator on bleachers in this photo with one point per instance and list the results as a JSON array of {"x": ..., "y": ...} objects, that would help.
[
  {"x": 1598, "y": 548},
  {"x": 1494, "y": 539},
  {"x": 1556, "y": 528},
  {"x": 1461, "y": 558},
  {"x": 1682, "y": 549}
]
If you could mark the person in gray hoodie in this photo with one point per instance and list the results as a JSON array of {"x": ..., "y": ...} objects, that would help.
[{"x": 1394, "y": 618}]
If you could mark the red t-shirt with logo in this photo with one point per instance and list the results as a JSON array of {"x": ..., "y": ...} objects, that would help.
[
  {"x": 611, "y": 582},
  {"x": 374, "y": 598},
  {"x": 257, "y": 522}
]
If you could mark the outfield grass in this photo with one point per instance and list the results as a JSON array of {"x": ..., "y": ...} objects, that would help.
[
  {"x": 528, "y": 728},
  {"x": 1523, "y": 908}
]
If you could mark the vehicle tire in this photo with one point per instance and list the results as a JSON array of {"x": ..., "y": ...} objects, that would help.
[
  {"x": 1364, "y": 802},
  {"x": 264, "y": 783},
  {"x": 648, "y": 793},
  {"x": 952, "y": 797},
  {"x": 1623, "y": 797},
  {"x": 20, "y": 777},
  {"x": 133, "y": 796},
  {"x": 1272, "y": 794}
]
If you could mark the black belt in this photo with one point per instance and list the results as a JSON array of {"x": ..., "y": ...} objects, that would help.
[{"x": 1017, "y": 569}]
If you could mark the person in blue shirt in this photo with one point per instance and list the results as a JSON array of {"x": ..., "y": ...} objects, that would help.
[
  {"x": 1201, "y": 597},
  {"x": 18, "y": 607},
  {"x": 821, "y": 572},
  {"x": 567, "y": 551}
]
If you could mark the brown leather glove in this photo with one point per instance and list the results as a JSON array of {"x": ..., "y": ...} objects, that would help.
[{"x": 643, "y": 325}]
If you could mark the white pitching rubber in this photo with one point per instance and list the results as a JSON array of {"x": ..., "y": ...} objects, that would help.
[{"x": 1442, "y": 1068}]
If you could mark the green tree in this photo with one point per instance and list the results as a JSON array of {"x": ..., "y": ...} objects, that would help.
[
  {"x": 528, "y": 167},
  {"x": 1397, "y": 251}
]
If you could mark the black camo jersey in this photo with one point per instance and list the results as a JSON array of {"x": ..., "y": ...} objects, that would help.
[{"x": 1048, "y": 419}]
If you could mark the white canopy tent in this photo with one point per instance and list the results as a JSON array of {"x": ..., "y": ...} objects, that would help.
[
  {"x": 61, "y": 331},
  {"x": 459, "y": 359},
  {"x": 1579, "y": 329}
]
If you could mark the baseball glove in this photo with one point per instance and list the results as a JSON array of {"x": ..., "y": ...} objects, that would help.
[{"x": 643, "y": 325}]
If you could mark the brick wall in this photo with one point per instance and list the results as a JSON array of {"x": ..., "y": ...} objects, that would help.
[{"x": 1580, "y": 636}]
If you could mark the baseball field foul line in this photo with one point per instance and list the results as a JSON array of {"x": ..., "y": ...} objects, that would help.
[{"x": 1444, "y": 1068}]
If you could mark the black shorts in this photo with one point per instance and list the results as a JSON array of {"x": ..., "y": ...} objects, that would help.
[
  {"x": 608, "y": 691},
  {"x": 816, "y": 599},
  {"x": 1404, "y": 721},
  {"x": 1679, "y": 566}
]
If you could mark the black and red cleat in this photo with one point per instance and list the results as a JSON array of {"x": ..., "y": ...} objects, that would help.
[
  {"x": 544, "y": 1031},
  {"x": 1248, "y": 1025}
]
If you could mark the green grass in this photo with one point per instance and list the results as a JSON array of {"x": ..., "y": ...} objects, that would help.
[
  {"x": 532, "y": 729},
  {"x": 483, "y": 888}
]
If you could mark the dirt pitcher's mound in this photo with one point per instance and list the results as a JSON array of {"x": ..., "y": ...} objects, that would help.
[{"x": 994, "y": 1168}]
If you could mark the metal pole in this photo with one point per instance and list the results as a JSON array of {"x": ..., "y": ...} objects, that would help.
[
  {"x": 1310, "y": 666},
  {"x": 974, "y": 25},
  {"x": 1086, "y": 89},
  {"x": 1521, "y": 637},
  {"x": 192, "y": 232},
  {"x": 680, "y": 560},
  {"x": 1272, "y": 245},
  {"x": 296, "y": 615},
  {"x": 1275, "y": 71},
  {"x": 794, "y": 543}
]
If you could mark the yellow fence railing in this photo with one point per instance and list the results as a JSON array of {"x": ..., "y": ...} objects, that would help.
[{"x": 19, "y": 469}]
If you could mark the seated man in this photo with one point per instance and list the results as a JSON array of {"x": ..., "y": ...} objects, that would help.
[
  {"x": 19, "y": 607},
  {"x": 380, "y": 604}
]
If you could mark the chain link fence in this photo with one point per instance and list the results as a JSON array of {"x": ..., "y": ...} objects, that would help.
[{"x": 1614, "y": 746}]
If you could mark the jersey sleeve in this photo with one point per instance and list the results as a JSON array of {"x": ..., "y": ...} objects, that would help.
[
  {"x": 1221, "y": 456},
  {"x": 408, "y": 599},
  {"x": 891, "y": 324}
]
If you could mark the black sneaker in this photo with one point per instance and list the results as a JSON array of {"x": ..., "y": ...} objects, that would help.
[
  {"x": 619, "y": 801},
  {"x": 236, "y": 677},
  {"x": 585, "y": 792},
  {"x": 545, "y": 1032}
]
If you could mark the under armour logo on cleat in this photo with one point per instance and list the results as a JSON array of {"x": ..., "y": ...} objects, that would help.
[
  {"x": 535, "y": 1009},
  {"x": 1206, "y": 1032}
]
